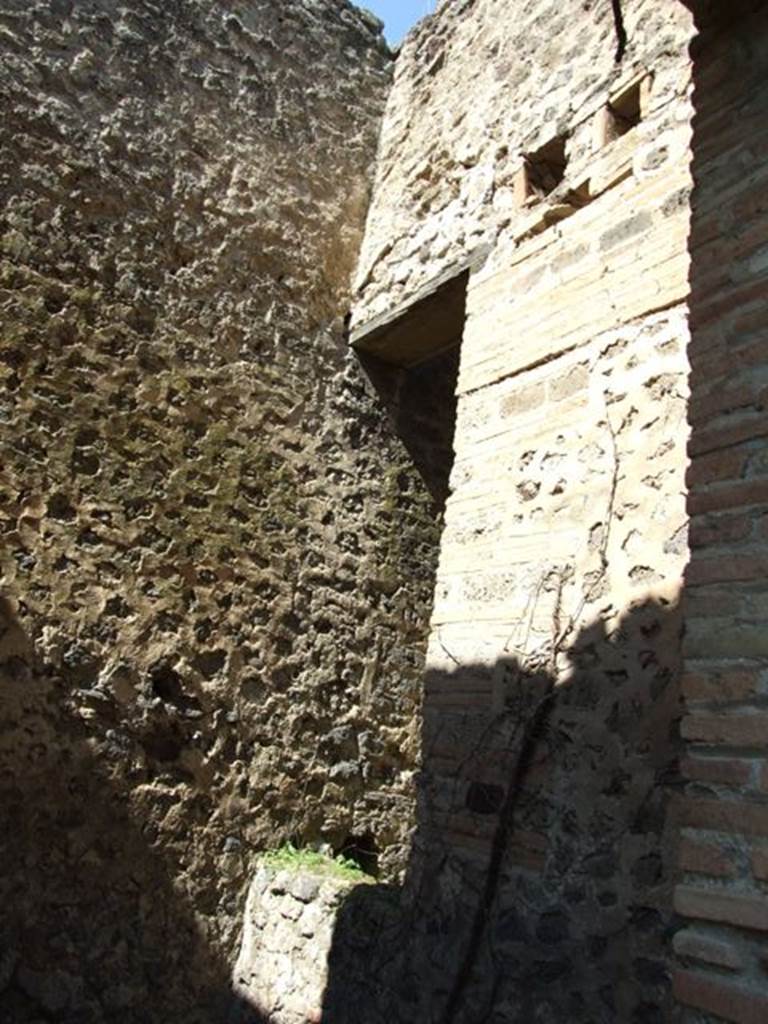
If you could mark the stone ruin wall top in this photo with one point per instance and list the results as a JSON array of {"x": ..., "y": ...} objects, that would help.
[{"x": 477, "y": 86}]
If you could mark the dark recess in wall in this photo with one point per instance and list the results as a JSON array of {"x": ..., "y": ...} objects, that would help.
[
  {"x": 421, "y": 404},
  {"x": 363, "y": 850}
]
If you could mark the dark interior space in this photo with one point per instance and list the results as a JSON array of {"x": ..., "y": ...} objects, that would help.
[
  {"x": 420, "y": 402},
  {"x": 363, "y": 851},
  {"x": 411, "y": 357},
  {"x": 545, "y": 168},
  {"x": 625, "y": 110}
]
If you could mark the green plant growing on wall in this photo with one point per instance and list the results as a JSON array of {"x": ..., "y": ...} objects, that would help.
[{"x": 292, "y": 858}]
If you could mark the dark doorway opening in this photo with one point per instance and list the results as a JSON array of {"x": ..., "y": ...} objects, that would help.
[{"x": 412, "y": 360}]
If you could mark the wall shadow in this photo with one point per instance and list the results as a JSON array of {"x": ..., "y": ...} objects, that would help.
[
  {"x": 542, "y": 865},
  {"x": 93, "y": 928},
  {"x": 420, "y": 403}
]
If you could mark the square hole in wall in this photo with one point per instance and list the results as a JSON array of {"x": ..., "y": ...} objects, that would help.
[
  {"x": 622, "y": 113},
  {"x": 545, "y": 169},
  {"x": 626, "y": 109}
]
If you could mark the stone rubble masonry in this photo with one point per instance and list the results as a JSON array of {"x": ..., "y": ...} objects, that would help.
[
  {"x": 217, "y": 560},
  {"x": 281, "y": 969},
  {"x": 724, "y": 816}
]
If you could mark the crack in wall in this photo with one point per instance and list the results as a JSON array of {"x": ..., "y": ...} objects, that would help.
[{"x": 621, "y": 31}]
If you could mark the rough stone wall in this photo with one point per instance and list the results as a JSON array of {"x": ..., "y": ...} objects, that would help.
[
  {"x": 287, "y": 928},
  {"x": 541, "y": 883},
  {"x": 723, "y": 972},
  {"x": 290, "y": 918},
  {"x": 216, "y": 562}
]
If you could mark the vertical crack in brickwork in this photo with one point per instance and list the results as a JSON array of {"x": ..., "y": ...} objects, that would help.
[{"x": 621, "y": 31}]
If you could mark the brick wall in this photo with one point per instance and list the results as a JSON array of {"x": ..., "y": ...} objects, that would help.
[
  {"x": 545, "y": 858},
  {"x": 561, "y": 564},
  {"x": 723, "y": 971},
  {"x": 479, "y": 87}
]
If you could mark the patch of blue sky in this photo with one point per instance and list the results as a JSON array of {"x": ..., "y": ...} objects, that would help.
[{"x": 398, "y": 15}]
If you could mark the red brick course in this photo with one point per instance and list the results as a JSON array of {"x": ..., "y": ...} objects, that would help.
[
  {"x": 717, "y": 435},
  {"x": 724, "y": 770},
  {"x": 709, "y": 530},
  {"x": 738, "y": 817},
  {"x": 710, "y": 905},
  {"x": 743, "y": 729},
  {"x": 727, "y": 400},
  {"x": 736, "y": 495},
  {"x": 695, "y": 945},
  {"x": 706, "y": 859},
  {"x": 732, "y": 567},
  {"x": 720, "y": 681},
  {"x": 720, "y": 996}
]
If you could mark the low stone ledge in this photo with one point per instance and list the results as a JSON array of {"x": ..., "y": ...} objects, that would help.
[{"x": 281, "y": 971}]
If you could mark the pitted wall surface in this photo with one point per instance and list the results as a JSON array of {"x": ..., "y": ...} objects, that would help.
[{"x": 217, "y": 562}]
